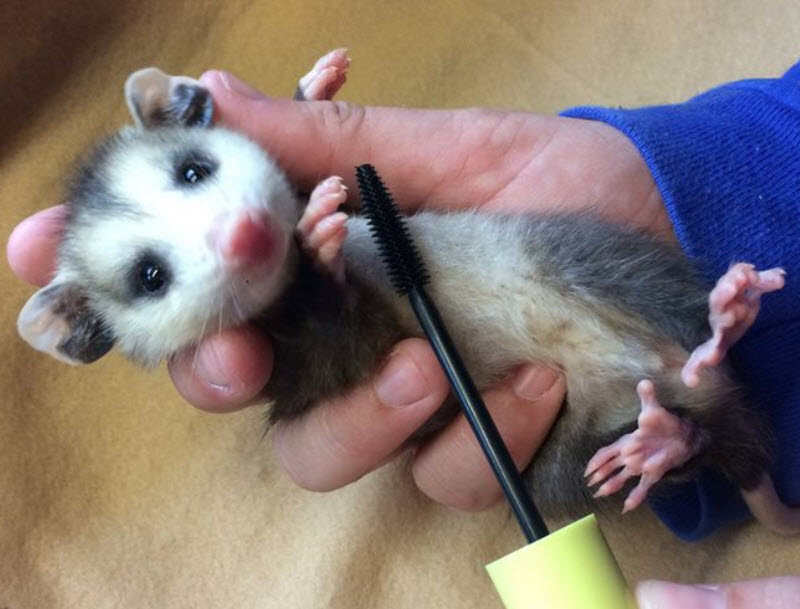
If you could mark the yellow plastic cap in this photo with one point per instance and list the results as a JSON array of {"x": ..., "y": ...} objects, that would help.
[{"x": 572, "y": 568}]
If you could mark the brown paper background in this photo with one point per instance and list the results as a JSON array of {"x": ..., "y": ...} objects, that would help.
[{"x": 114, "y": 492}]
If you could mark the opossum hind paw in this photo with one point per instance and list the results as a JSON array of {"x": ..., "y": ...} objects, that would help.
[
  {"x": 733, "y": 306},
  {"x": 662, "y": 441}
]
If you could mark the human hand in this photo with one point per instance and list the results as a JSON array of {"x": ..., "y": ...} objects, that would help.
[
  {"x": 505, "y": 161},
  {"x": 771, "y": 593}
]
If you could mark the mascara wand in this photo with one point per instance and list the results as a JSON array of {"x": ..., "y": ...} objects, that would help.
[
  {"x": 572, "y": 568},
  {"x": 408, "y": 276}
]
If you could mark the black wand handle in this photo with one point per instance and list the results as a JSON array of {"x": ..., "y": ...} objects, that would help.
[
  {"x": 407, "y": 274},
  {"x": 505, "y": 470}
]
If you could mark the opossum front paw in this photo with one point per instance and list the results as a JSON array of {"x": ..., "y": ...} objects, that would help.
[
  {"x": 662, "y": 441},
  {"x": 326, "y": 77},
  {"x": 733, "y": 306},
  {"x": 323, "y": 229}
]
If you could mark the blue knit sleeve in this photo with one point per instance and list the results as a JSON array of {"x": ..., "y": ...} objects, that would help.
[{"x": 727, "y": 164}]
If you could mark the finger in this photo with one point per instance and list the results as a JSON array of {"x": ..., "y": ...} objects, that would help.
[
  {"x": 226, "y": 371},
  {"x": 32, "y": 247},
  {"x": 452, "y": 468},
  {"x": 436, "y": 157},
  {"x": 770, "y": 593},
  {"x": 343, "y": 439}
]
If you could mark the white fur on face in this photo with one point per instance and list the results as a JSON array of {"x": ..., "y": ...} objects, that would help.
[{"x": 174, "y": 221}]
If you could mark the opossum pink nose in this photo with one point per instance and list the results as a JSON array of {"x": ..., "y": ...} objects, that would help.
[{"x": 247, "y": 239}]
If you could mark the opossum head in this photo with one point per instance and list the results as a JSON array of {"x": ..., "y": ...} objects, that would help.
[{"x": 175, "y": 229}]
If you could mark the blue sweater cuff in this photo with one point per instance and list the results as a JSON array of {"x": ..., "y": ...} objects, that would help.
[{"x": 727, "y": 164}]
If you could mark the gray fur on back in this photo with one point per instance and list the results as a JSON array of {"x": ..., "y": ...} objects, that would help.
[
  {"x": 606, "y": 305},
  {"x": 626, "y": 269}
]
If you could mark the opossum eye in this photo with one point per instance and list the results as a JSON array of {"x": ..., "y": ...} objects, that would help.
[
  {"x": 150, "y": 277},
  {"x": 192, "y": 166},
  {"x": 192, "y": 172}
]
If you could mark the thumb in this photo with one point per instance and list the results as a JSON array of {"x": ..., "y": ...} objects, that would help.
[
  {"x": 417, "y": 151},
  {"x": 770, "y": 593}
]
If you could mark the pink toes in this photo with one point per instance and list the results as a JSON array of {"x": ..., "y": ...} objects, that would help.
[
  {"x": 322, "y": 228},
  {"x": 326, "y": 77},
  {"x": 733, "y": 306},
  {"x": 661, "y": 442},
  {"x": 324, "y": 201}
]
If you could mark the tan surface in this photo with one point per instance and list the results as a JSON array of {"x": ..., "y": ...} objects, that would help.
[{"x": 113, "y": 492}]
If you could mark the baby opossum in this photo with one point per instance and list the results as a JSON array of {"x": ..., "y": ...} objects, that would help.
[{"x": 177, "y": 228}]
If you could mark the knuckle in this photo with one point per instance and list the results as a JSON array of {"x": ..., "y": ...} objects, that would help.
[
  {"x": 339, "y": 115},
  {"x": 340, "y": 434},
  {"x": 444, "y": 485},
  {"x": 338, "y": 125},
  {"x": 315, "y": 453},
  {"x": 465, "y": 499}
]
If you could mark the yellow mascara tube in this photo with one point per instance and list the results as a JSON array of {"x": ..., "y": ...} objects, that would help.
[{"x": 571, "y": 568}]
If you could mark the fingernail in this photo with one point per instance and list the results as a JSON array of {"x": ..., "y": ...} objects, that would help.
[
  {"x": 209, "y": 367},
  {"x": 666, "y": 595},
  {"x": 532, "y": 382},
  {"x": 400, "y": 382},
  {"x": 233, "y": 84}
]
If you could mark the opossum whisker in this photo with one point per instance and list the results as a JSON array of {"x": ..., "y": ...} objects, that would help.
[
  {"x": 202, "y": 333},
  {"x": 219, "y": 318},
  {"x": 238, "y": 310}
]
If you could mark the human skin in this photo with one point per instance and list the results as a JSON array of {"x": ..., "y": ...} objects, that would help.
[
  {"x": 496, "y": 160},
  {"x": 768, "y": 593}
]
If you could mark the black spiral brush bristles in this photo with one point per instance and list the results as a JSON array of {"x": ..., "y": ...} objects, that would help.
[
  {"x": 408, "y": 276},
  {"x": 403, "y": 262}
]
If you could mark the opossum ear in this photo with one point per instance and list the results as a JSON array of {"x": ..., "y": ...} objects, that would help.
[
  {"x": 156, "y": 99},
  {"x": 59, "y": 321}
]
